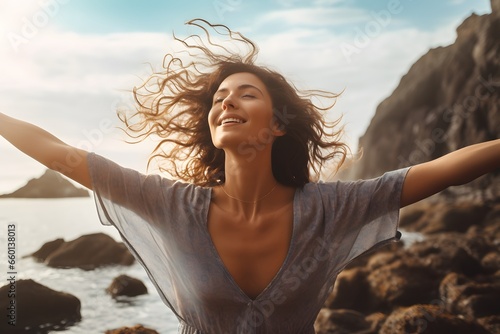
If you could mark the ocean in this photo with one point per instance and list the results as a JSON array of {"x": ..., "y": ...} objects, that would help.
[{"x": 38, "y": 221}]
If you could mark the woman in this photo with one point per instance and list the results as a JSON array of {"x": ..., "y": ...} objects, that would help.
[{"x": 246, "y": 241}]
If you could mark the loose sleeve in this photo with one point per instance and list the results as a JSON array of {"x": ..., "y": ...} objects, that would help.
[
  {"x": 157, "y": 219},
  {"x": 124, "y": 194},
  {"x": 361, "y": 215}
]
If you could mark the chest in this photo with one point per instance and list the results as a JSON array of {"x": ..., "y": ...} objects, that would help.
[{"x": 252, "y": 252}]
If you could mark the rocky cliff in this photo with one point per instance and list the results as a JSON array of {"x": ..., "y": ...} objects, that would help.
[
  {"x": 447, "y": 282},
  {"x": 449, "y": 98},
  {"x": 49, "y": 185}
]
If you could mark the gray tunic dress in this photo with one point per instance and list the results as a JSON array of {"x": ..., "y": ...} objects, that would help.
[{"x": 164, "y": 224}]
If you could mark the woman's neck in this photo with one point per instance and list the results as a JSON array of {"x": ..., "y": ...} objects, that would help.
[
  {"x": 248, "y": 182},
  {"x": 248, "y": 179}
]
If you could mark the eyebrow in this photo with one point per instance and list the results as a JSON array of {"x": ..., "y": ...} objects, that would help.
[{"x": 240, "y": 87}]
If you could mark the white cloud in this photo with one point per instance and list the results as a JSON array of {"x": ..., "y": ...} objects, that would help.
[
  {"x": 314, "y": 16},
  {"x": 64, "y": 61}
]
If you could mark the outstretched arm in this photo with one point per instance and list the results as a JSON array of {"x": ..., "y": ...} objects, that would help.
[
  {"x": 47, "y": 149},
  {"x": 456, "y": 168}
]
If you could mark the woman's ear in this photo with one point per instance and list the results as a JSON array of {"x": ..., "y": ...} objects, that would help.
[{"x": 277, "y": 128}]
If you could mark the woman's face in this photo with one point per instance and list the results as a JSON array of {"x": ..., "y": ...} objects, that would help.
[{"x": 242, "y": 114}]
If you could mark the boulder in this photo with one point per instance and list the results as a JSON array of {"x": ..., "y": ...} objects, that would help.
[
  {"x": 352, "y": 291},
  {"x": 124, "y": 285},
  {"x": 403, "y": 283},
  {"x": 452, "y": 252},
  {"x": 377, "y": 319},
  {"x": 429, "y": 319},
  {"x": 473, "y": 299},
  {"x": 342, "y": 322},
  {"x": 491, "y": 262},
  {"x": 137, "y": 329},
  {"x": 37, "y": 308},
  {"x": 434, "y": 217},
  {"x": 491, "y": 323},
  {"x": 491, "y": 224},
  {"x": 381, "y": 259},
  {"x": 86, "y": 252},
  {"x": 47, "y": 249}
]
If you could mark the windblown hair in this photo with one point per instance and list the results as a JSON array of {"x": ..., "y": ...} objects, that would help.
[{"x": 173, "y": 105}]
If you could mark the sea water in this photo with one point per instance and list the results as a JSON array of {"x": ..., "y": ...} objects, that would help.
[{"x": 38, "y": 221}]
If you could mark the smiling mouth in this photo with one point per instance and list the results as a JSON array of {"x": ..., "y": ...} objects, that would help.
[{"x": 232, "y": 120}]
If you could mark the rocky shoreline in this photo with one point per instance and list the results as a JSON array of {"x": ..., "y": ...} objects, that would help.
[
  {"x": 32, "y": 310},
  {"x": 447, "y": 283}
]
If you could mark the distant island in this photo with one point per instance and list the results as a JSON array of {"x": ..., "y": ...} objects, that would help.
[{"x": 50, "y": 185}]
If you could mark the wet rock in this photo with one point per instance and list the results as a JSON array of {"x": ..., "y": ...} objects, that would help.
[
  {"x": 86, "y": 252},
  {"x": 493, "y": 216},
  {"x": 471, "y": 298},
  {"x": 382, "y": 259},
  {"x": 377, "y": 320},
  {"x": 403, "y": 282},
  {"x": 491, "y": 323},
  {"x": 351, "y": 291},
  {"x": 491, "y": 224},
  {"x": 429, "y": 319},
  {"x": 342, "y": 322},
  {"x": 452, "y": 252},
  {"x": 47, "y": 249},
  {"x": 124, "y": 285},
  {"x": 137, "y": 329},
  {"x": 434, "y": 217},
  {"x": 491, "y": 262},
  {"x": 37, "y": 308}
]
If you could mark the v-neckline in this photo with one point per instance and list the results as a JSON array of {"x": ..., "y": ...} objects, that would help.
[{"x": 225, "y": 270}]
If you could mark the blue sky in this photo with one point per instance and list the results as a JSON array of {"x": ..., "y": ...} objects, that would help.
[
  {"x": 107, "y": 16},
  {"x": 66, "y": 64}
]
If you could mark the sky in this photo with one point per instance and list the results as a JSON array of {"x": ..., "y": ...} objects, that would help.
[{"x": 67, "y": 65}]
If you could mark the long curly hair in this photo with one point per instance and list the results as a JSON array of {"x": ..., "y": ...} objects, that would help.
[{"x": 173, "y": 105}]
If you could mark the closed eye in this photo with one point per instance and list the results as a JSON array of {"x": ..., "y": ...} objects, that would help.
[{"x": 218, "y": 100}]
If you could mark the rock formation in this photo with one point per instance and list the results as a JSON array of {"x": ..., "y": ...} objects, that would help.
[
  {"x": 449, "y": 98},
  {"x": 86, "y": 252},
  {"x": 449, "y": 282},
  {"x": 37, "y": 308},
  {"x": 137, "y": 329},
  {"x": 446, "y": 283},
  {"x": 49, "y": 185},
  {"x": 124, "y": 285},
  {"x": 429, "y": 319}
]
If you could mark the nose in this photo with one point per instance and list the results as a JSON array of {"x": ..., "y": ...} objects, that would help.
[{"x": 228, "y": 102}]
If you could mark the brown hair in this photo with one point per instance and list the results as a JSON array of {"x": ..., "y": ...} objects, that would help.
[{"x": 173, "y": 104}]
